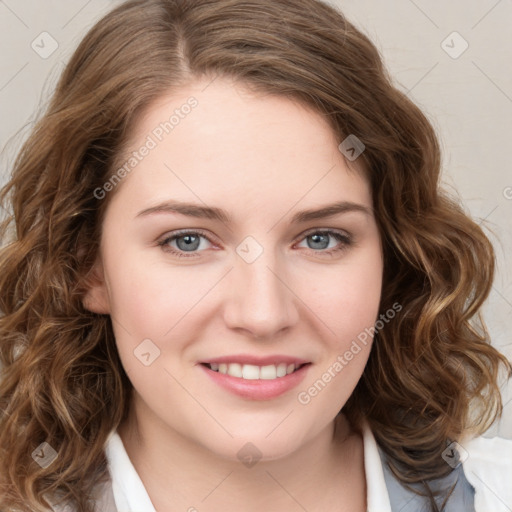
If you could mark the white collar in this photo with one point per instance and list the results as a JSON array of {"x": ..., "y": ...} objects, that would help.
[
  {"x": 377, "y": 497},
  {"x": 131, "y": 496}
]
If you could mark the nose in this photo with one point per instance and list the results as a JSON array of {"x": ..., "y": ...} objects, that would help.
[{"x": 261, "y": 301}]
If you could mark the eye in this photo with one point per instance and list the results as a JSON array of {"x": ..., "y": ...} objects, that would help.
[
  {"x": 188, "y": 243},
  {"x": 182, "y": 242},
  {"x": 333, "y": 241}
]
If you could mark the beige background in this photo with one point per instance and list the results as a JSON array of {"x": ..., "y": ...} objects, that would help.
[{"x": 467, "y": 93}]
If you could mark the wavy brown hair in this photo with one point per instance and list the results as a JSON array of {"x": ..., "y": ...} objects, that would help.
[{"x": 432, "y": 373}]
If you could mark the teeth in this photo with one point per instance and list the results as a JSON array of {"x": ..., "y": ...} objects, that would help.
[
  {"x": 235, "y": 370},
  {"x": 281, "y": 370},
  {"x": 268, "y": 372},
  {"x": 252, "y": 372}
]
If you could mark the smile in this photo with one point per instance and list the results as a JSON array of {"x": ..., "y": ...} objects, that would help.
[
  {"x": 256, "y": 378},
  {"x": 253, "y": 372}
]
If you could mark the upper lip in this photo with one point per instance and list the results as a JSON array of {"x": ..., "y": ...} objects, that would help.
[{"x": 256, "y": 360}]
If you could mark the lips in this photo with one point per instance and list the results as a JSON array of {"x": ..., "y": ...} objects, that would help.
[
  {"x": 256, "y": 360},
  {"x": 256, "y": 378}
]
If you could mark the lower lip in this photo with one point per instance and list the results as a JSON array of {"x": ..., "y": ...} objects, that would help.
[{"x": 258, "y": 389}]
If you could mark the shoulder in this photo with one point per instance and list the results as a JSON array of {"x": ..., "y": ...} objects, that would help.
[
  {"x": 487, "y": 464},
  {"x": 482, "y": 477}
]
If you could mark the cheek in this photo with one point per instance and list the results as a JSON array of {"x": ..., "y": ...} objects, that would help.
[
  {"x": 149, "y": 299},
  {"x": 148, "y": 304},
  {"x": 345, "y": 298},
  {"x": 360, "y": 298},
  {"x": 347, "y": 302},
  {"x": 164, "y": 304}
]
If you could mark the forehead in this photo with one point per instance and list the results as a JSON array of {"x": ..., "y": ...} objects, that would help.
[{"x": 218, "y": 142}]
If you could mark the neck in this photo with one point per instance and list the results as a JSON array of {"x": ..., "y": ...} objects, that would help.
[{"x": 327, "y": 473}]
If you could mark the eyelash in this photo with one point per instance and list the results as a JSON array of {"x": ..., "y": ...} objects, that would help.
[{"x": 345, "y": 239}]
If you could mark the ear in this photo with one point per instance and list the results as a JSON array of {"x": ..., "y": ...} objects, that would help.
[{"x": 96, "y": 298}]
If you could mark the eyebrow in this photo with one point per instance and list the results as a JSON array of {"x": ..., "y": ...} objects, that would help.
[{"x": 213, "y": 213}]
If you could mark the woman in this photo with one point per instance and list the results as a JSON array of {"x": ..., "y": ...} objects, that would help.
[{"x": 234, "y": 283}]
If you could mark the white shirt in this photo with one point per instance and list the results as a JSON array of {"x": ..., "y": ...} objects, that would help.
[
  {"x": 488, "y": 468},
  {"x": 487, "y": 465}
]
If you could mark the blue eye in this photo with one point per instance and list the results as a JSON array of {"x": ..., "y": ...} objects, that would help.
[
  {"x": 186, "y": 242},
  {"x": 190, "y": 243},
  {"x": 318, "y": 241}
]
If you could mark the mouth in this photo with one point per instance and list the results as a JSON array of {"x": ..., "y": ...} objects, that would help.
[
  {"x": 256, "y": 378},
  {"x": 255, "y": 372}
]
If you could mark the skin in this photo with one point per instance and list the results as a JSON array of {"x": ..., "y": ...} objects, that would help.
[{"x": 262, "y": 158}]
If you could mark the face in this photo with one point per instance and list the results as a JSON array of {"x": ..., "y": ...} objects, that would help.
[{"x": 234, "y": 299}]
